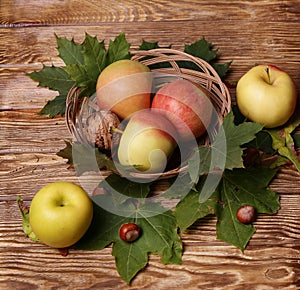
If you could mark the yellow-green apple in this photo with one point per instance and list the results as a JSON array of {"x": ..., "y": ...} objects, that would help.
[
  {"x": 266, "y": 94},
  {"x": 60, "y": 213},
  {"x": 187, "y": 105},
  {"x": 147, "y": 141},
  {"x": 124, "y": 87}
]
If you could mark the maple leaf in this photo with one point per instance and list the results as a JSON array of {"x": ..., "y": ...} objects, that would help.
[
  {"x": 243, "y": 187},
  {"x": 57, "y": 79},
  {"x": 146, "y": 45},
  {"x": 118, "y": 49},
  {"x": 83, "y": 64},
  {"x": 159, "y": 234},
  {"x": 122, "y": 189},
  {"x": 226, "y": 149},
  {"x": 203, "y": 49},
  {"x": 85, "y": 158},
  {"x": 94, "y": 54},
  {"x": 238, "y": 187},
  {"x": 69, "y": 51},
  {"x": 189, "y": 209}
]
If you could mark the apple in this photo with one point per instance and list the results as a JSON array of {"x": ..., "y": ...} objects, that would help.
[
  {"x": 60, "y": 213},
  {"x": 267, "y": 95},
  {"x": 147, "y": 141},
  {"x": 187, "y": 105},
  {"x": 124, "y": 87}
]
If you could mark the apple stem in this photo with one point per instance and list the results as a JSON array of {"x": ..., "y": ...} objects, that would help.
[
  {"x": 116, "y": 130},
  {"x": 268, "y": 73}
]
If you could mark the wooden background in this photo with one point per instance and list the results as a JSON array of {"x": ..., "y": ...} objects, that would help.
[{"x": 246, "y": 32}]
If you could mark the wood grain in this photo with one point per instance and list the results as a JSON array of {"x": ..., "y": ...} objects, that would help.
[
  {"x": 246, "y": 32},
  {"x": 65, "y": 12}
]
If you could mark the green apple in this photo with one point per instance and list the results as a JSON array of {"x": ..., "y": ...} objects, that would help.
[
  {"x": 267, "y": 95},
  {"x": 60, "y": 214},
  {"x": 147, "y": 141},
  {"x": 187, "y": 105},
  {"x": 124, "y": 87}
]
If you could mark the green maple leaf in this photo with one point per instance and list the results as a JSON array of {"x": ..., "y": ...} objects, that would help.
[
  {"x": 243, "y": 187},
  {"x": 200, "y": 48},
  {"x": 236, "y": 136},
  {"x": 55, "y": 107},
  {"x": 123, "y": 189},
  {"x": 66, "y": 152},
  {"x": 118, "y": 49},
  {"x": 222, "y": 68},
  {"x": 57, "y": 79},
  {"x": 238, "y": 187},
  {"x": 79, "y": 74},
  {"x": 189, "y": 209},
  {"x": 86, "y": 72},
  {"x": 94, "y": 56},
  {"x": 158, "y": 234},
  {"x": 226, "y": 150},
  {"x": 85, "y": 158},
  {"x": 54, "y": 78},
  {"x": 203, "y": 49},
  {"x": 69, "y": 51},
  {"x": 146, "y": 45},
  {"x": 83, "y": 64},
  {"x": 95, "y": 59}
]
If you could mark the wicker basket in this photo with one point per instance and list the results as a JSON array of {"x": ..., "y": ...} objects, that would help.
[{"x": 169, "y": 61}]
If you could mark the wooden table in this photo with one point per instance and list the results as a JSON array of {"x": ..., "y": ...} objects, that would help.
[{"x": 246, "y": 32}]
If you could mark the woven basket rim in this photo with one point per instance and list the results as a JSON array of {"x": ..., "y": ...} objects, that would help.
[{"x": 207, "y": 77}]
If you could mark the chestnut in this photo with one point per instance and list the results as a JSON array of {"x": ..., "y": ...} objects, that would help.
[
  {"x": 129, "y": 232},
  {"x": 246, "y": 214}
]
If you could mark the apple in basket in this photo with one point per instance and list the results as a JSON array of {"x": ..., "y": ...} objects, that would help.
[
  {"x": 147, "y": 141},
  {"x": 267, "y": 95},
  {"x": 187, "y": 105},
  {"x": 60, "y": 214},
  {"x": 124, "y": 87}
]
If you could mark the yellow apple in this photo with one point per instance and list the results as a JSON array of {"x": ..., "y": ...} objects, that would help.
[
  {"x": 124, "y": 87},
  {"x": 60, "y": 213},
  {"x": 147, "y": 141},
  {"x": 267, "y": 95}
]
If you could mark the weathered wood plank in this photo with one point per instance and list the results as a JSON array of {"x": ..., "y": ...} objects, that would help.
[
  {"x": 275, "y": 41},
  {"x": 269, "y": 261},
  {"x": 76, "y": 12}
]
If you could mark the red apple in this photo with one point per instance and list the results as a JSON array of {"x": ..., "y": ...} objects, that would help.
[
  {"x": 187, "y": 105},
  {"x": 124, "y": 87}
]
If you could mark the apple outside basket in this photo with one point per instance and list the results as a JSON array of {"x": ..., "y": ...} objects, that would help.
[{"x": 169, "y": 60}]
